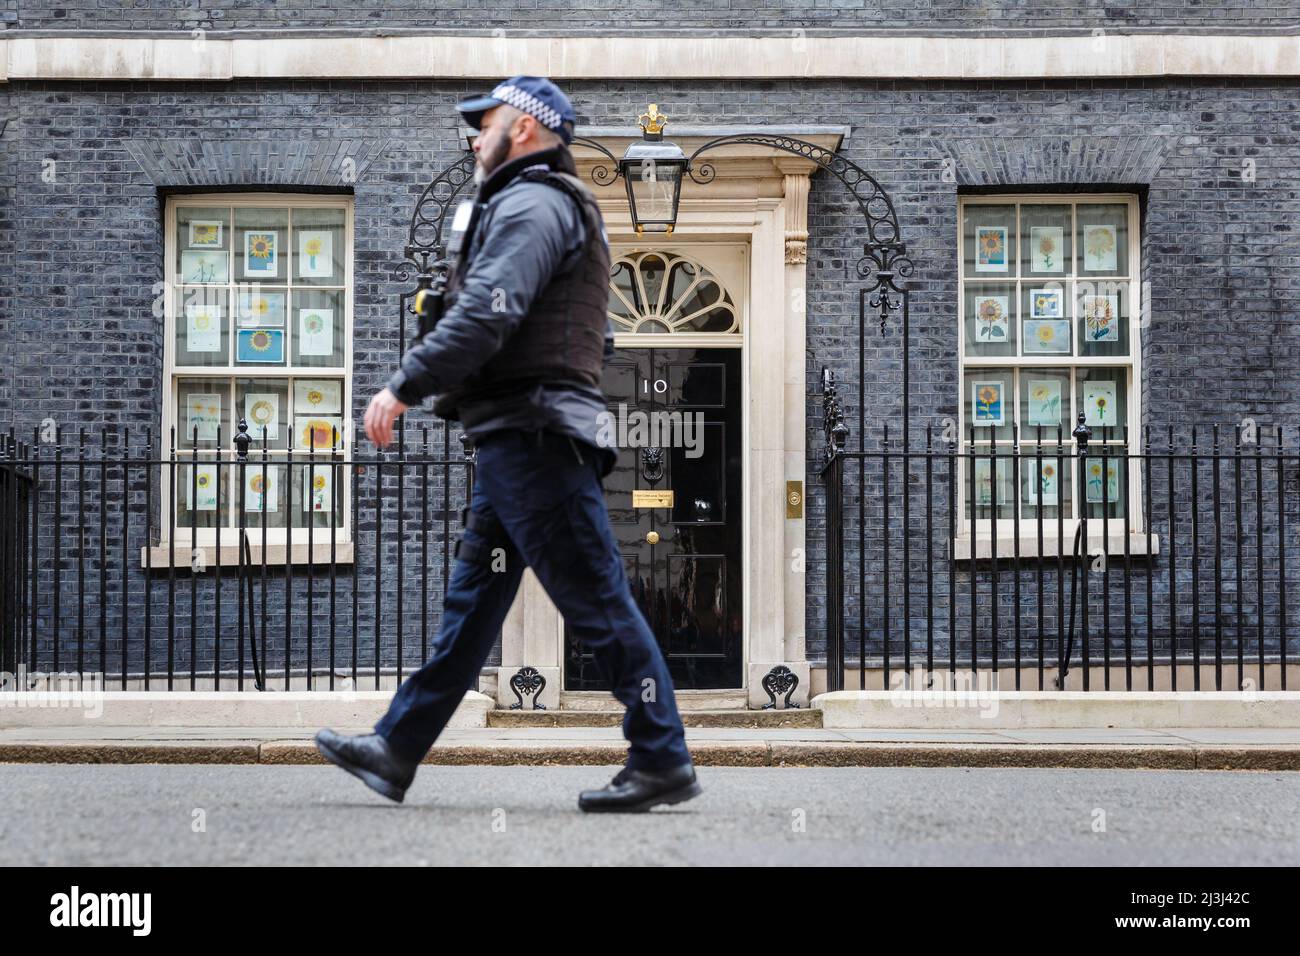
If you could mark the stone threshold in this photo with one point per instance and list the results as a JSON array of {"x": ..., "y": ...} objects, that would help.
[{"x": 755, "y": 719}]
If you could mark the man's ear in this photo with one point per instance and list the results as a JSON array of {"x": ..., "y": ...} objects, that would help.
[{"x": 521, "y": 131}]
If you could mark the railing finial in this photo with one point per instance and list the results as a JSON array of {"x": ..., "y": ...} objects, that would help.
[
  {"x": 1082, "y": 433},
  {"x": 242, "y": 440}
]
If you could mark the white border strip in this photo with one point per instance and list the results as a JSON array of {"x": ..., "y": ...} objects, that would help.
[{"x": 458, "y": 57}]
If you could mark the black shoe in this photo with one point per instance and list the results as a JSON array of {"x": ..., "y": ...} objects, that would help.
[
  {"x": 369, "y": 758},
  {"x": 636, "y": 791}
]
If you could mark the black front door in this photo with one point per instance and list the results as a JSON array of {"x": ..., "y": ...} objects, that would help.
[{"x": 675, "y": 505}]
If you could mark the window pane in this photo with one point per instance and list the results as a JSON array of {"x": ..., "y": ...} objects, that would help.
[
  {"x": 1045, "y": 325},
  {"x": 325, "y": 497},
  {"x": 201, "y": 494},
  {"x": 264, "y": 404},
  {"x": 1101, "y": 394},
  {"x": 990, "y": 309},
  {"x": 1046, "y": 483},
  {"x": 202, "y": 244},
  {"x": 318, "y": 414},
  {"x": 1045, "y": 404},
  {"x": 202, "y": 325},
  {"x": 261, "y": 331},
  {"x": 202, "y": 410},
  {"x": 1102, "y": 239},
  {"x": 988, "y": 238},
  {"x": 259, "y": 244},
  {"x": 1103, "y": 309},
  {"x": 260, "y": 475},
  {"x": 989, "y": 404},
  {"x": 1045, "y": 233},
  {"x": 318, "y": 328},
  {"x": 319, "y": 246}
]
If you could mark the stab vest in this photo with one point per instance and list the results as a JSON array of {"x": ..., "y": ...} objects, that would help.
[{"x": 562, "y": 338}]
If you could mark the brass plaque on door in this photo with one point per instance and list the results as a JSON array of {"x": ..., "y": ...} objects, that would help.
[{"x": 652, "y": 498}]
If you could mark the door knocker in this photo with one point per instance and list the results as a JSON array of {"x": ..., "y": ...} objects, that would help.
[{"x": 652, "y": 463}]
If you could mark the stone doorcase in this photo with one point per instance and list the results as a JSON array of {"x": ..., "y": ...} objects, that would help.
[{"x": 758, "y": 197}]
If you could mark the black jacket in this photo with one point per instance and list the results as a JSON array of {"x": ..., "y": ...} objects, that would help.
[{"x": 528, "y": 232}]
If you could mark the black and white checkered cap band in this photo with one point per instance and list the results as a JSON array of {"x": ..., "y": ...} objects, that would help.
[{"x": 522, "y": 100}]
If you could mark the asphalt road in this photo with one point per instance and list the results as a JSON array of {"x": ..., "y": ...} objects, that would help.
[{"x": 88, "y": 814}]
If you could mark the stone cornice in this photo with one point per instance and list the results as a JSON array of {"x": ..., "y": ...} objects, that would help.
[{"x": 219, "y": 57}]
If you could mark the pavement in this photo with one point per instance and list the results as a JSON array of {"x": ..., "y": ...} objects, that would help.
[
  {"x": 1263, "y": 749},
  {"x": 193, "y": 815}
]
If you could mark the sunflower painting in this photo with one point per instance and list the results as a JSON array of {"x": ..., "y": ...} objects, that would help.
[
  {"x": 262, "y": 490},
  {"x": 203, "y": 327},
  {"x": 317, "y": 396},
  {"x": 315, "y": 254},
  {"x": 202, "y": 416},
  {"x": 984, "y": 490},
  {"x": 1044, "y": 402},
  {"x": 1100, "y": 405},
  {"x": 258, "y": 309},
  {"x": 203, "y": 267},
  {"x": 1047, "y": 335},
  {"x": 1046, "y": 245},
  {"x": 205, "y": 234},
  {"x": 1096, "y": 491},
  {"x": 1045, "y": 303},
  {"x": 201, "y": 488},
  {"x": 316, "y": 331},
  {"x": 262, "y": 412},
  {"x": 1042, "y": 483},
  {"x": 261, "y": 257},
  {"x": 991, "y": 322},
  {"x": 1099, "y": 248},
  {"x": 991, "y": 249},
  {"x": 1101, "y": 318},
  {"x": 986, "y": 404},
  {"x": 263, "y": 346},
  {"x": 318, "y": 433},
  {"x": 321, "y": 498}
]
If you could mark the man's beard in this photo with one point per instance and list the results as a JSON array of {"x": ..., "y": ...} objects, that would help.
[{"x": 490, "y": 158}]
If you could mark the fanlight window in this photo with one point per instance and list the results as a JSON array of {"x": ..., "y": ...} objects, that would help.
[{"x": 665, "y": 292}]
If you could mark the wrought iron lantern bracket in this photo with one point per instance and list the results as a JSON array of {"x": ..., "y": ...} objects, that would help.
[
  {"x": 426, "y": 250},
  {"x": 885, "y": 263}
]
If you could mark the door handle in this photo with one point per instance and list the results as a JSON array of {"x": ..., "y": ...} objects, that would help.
[{"x": 652, "y": 537}]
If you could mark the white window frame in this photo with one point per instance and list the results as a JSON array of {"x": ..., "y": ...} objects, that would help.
[
  {"x": 276, "y": 538},
  {"x": 727, "y": 261},
  {"x": 1004, "y": 528}
]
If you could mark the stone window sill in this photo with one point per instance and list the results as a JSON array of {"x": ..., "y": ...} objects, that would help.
[
  {"x": 160, "y": 556},
  {"x": 1138, "y": 546}
]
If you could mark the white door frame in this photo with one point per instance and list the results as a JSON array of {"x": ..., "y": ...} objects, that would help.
[{"x": 763, "y": 204}]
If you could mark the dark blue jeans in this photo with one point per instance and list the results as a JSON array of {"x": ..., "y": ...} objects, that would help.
[{"x": 546, "y": 492}]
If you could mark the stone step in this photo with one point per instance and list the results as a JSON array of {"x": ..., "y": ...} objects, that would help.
[{"x": 796, "y": 718}]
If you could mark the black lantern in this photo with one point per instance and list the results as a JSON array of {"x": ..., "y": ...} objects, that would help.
[{"x": 652, "y": 170}]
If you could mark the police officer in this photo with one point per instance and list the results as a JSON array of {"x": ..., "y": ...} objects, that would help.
[{"x": 517, "y": 359}]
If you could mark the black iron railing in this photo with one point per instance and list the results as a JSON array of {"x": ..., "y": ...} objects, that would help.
[
  {"x": 1076, "y": 560},
  {"x": 15, "y": 506},
  {"x": 158, "y": 568}
]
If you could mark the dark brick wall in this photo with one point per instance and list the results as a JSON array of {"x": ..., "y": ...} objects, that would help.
[
  {"x": 8, "y": 207},
  {"x": 1220, "y": 253},
  {"x": 673, "y": 15}
]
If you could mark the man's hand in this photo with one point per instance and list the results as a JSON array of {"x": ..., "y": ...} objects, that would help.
[{"x": 383, "y": 411}]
